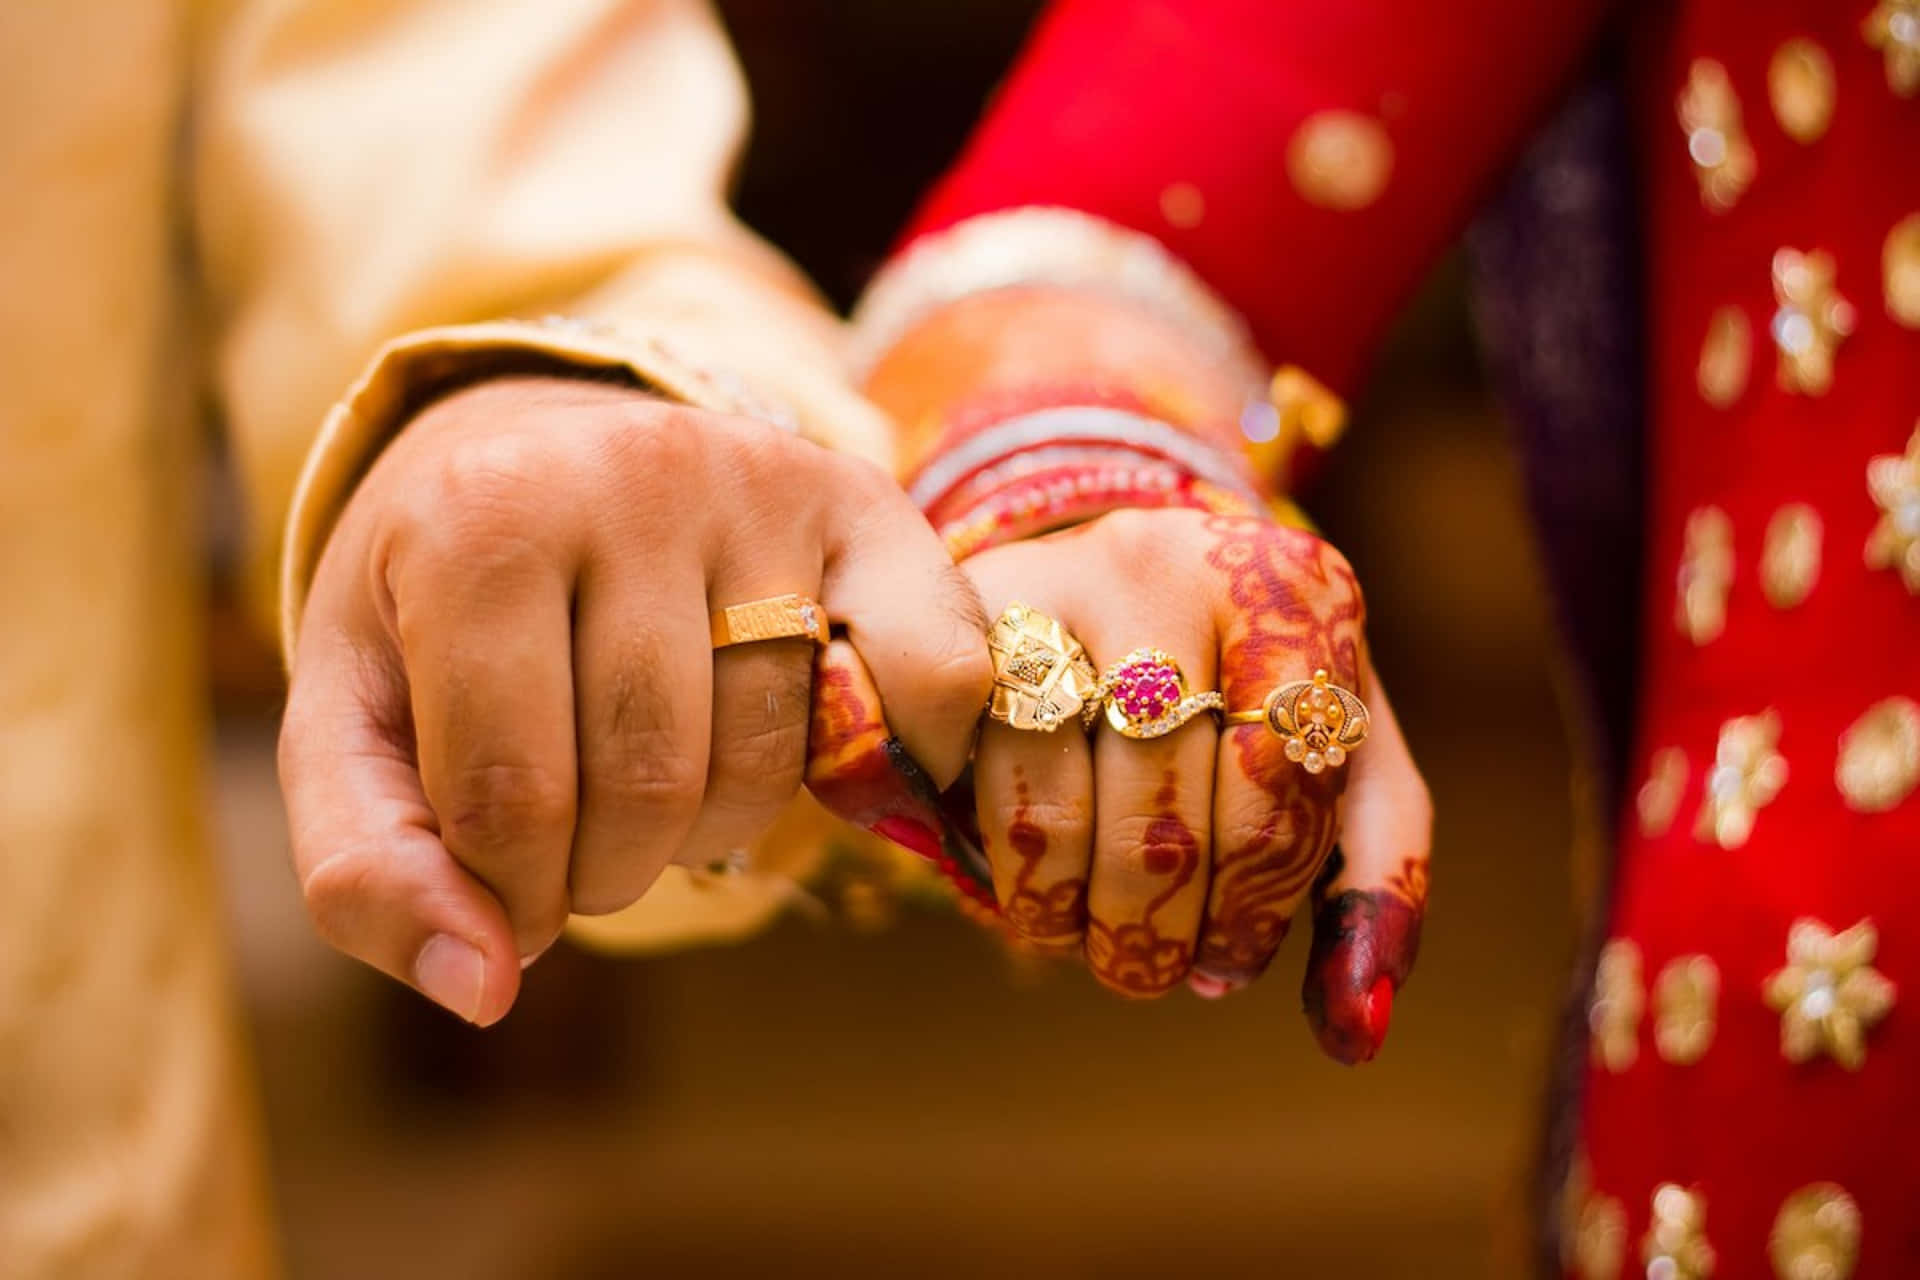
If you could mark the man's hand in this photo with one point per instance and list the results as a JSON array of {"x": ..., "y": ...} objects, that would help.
[{"x": 505, "y": 703}]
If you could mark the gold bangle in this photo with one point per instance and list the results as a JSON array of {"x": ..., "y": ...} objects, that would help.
[{"x": 788, "y": 617}]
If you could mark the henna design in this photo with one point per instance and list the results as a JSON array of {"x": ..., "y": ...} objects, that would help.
[
  {"x": 1299, "y": 608},
  {"x": 1133, "y": 957},
  {"x": 1048, "y": 917},
  {"x": 862, "y": 773},
  {"x": 1364, "y": 944}
]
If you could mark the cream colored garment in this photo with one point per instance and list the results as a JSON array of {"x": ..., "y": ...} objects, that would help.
[{"x": 313, "y": 177}]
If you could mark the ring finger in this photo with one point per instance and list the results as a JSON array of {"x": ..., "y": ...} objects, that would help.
[{"x": 1153, "y": 807}]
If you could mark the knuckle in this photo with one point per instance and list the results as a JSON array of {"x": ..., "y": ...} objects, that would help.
[
  {"x": 497, "y": 807},
  {"x": 646, "y": 772},
  {"x": 760, "y": 752},
  {"x": 955, "y": 675},
  {"x": 337, "y": 894},
  {"x": 493, "y": 469},
  {"x": 638, "y": 758},
  {"x": 1066, "y": 824},
  {"x": 651, "y": 438}
]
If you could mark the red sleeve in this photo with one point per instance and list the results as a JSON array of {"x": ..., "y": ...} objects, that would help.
[{"x": 1249, "y": 137}]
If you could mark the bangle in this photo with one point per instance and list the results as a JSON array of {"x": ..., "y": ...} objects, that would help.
[
  {"x": 1041, "y": 246},
  {"x": 1089, "y": 426}
]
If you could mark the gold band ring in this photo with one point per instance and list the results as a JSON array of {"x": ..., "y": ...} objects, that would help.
[
  {"x": 1042, "y": 676},
  {"x": 1319, "y": 721},
  {"x": 1145, "y": 695},
  {"x": 786, "y": 617}
]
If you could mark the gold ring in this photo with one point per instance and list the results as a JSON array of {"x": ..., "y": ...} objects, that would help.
[
  {"x": 1146, "y": 696},
  {"x": 1042, "y": 676},
  {"x": 775, "y": 618},
  {"x": 1319, "y": 721}
]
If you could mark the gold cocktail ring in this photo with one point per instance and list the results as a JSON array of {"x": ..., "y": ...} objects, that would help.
[
  {"x": 1319, "y": 721},
  {"x": 1042, "y": 676},
  {"x": 1146, "y": 696},
  {"x": 786, "y": 617}
]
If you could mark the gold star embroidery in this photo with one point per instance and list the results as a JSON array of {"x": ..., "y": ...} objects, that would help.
[
  {"x": 1900, "y": 265},
  {"x": 1811, "y": 321},
  {"x": 1748, "y": 772},
  {"x": 1706, "y": 572},
  {"x": 1816, "y": 1235},
  {"x": 1893, "y": 481},
  {"x": 1726, "y": 357},
  {"x": 1894, "y": 28},
  {"x": 1618, "y": 1000},
  {"x": 1339, "y": 160},
  {"x": 1800, "y": 85},
  {"x": 1676, "y": 1245},
  {"x": 1879, "y": 761},
  {"x": 1829, "y": 995},
  {"x": 1790, "y": 555},
  {"x": 1684, "y": 1016},
  {"x": 1659, "y": 797},
  {"x": 1716, "y": 139}
]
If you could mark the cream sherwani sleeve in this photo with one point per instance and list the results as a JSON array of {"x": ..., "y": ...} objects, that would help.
[
  {"x": 399, "y": 196},
  {"x": 347, "y": 195}
]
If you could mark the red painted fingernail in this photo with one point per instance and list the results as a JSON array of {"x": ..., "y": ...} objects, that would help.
[
  {"x": 909, "y": 833},
  {"x": 1208, "y": 987},
  {"x": 1379, "y": 1012}
]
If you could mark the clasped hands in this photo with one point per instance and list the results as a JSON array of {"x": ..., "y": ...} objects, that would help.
[{"x": 506, "y": 707}]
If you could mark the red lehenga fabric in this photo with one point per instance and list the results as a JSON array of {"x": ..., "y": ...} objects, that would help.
[{"x": 1746, "y": 1106}]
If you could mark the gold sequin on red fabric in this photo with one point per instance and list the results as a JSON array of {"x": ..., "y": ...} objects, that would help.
[
  {"x": 1894, "y": 28},
  {"x": 1748, "y": 771},
  {"x": 1686, "y": 997},
  {"x": 1900, "y": 269},
  {"x": 1600, "y": 1238},
  {"x": 1829, "y": 995},
  {"x": 1801, "y": 87},
  {"x": 1893, "y": 482},
  {"x": 1619, "y": 998},
  {"x": 1816, "y": 1234},
  {"x": 1676, "y": 1246},
  {"x": 1182, "y": 205},
  {"x": 1716, "y": 138},
  {"x": 1726, "y": 357},
  {"x": 1705, "y": 575},
  {"x": 1811, "y": 320},
  {"x": 1879, "y": 761},
  {"x": 1340, "y": 160},
  {"x": 1790, "y": 555},
  {"x": 1593, "y": 1227},
  {"x": 1659, "y": 797}
]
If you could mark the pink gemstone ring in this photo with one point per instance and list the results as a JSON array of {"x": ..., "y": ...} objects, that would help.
[
  {"x": 1145, "y": 696},
  {"x": 1319, "y": 721}
]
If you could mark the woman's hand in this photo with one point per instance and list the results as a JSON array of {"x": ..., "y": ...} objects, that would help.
[
  {"x": 1184, "y": 858},
  {"x": 506, "y": 705}
]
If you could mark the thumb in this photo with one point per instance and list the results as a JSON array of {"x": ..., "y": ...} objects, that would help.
[
  {"x": 1371, "y": 897},
  {"x": 916, "y": 621}
]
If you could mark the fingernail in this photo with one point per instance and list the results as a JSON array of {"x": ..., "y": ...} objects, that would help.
[
  {"x": 1208, "y": 987},
  {"x": 452, "y": 973},
  {"x": 909, "y": 833},
  {"x": 1379, "y": 1012}
]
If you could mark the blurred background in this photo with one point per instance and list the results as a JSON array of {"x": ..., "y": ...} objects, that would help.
[{"x": 908, "y": 1098}]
